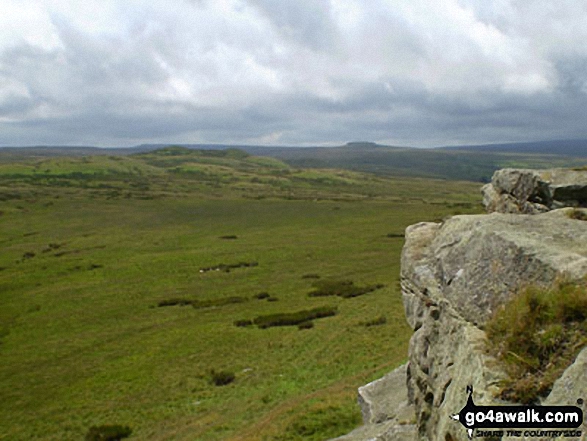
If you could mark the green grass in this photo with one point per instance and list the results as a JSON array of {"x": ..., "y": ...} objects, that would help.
[
  {"x": 537, "y": 335},
  {"x": 84, "y": 344}
]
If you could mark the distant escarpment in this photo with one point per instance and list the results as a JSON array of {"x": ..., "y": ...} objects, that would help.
[{"x": 455, "y": 276}]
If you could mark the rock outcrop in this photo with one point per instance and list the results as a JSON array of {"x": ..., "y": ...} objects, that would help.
[
  {"x": 535, "y": 191},
  {"x": 386, "y": 416},
  {"x": 454, "y": 275}
]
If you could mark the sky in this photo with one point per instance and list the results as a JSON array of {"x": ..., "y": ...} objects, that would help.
[{"x": 416, "y": 73}]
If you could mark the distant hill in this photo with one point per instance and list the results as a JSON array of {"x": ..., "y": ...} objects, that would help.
[
  {"x": 471, "y": 163},
  {"x": 568, "y": 147}
]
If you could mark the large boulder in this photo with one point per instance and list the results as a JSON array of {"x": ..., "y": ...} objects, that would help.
[
  {"x": 535, "y": 191},
  {"x": 453, "y": 276}
]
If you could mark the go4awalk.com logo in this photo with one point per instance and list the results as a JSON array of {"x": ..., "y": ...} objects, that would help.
[{"x": 527, "y": 421}]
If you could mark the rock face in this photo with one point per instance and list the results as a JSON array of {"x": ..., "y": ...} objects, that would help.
[
  {"x": 387, "y": 416},
  {"x": 454, "y": 275},
  {"x": 535, "y": 191}
]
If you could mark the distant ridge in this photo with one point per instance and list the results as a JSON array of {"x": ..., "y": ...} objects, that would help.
[
  {"x": 566, "y": 147},
  {"x": 468, "y": 162}
]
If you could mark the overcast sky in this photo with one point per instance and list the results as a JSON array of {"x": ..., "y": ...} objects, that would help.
[{"x": 292, "y": 72}]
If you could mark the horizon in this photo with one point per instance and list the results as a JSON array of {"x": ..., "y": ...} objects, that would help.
[{"x": 269, "y": 146}]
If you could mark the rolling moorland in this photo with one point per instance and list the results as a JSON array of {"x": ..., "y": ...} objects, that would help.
[
  {"x": 471, "y": 163},
  {"x": 193, "y": 294}
]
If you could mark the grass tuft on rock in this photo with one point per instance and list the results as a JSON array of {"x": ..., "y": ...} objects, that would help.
[
  {"x": 537, "y": 335},
  {"x": 577, "y": 214}
]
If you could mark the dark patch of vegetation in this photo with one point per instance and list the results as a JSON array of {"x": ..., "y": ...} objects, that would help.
[
  {"x": 294, "y": 318},
  {"x": 221, "y": 378},
  {"x": 537, "y": 335},
  {"x": 94, "y": 266},
  {"x": 381, "y": 320},
  {"x": 108, "y": 432},
  {"x": 342, "y": 288},
  {"x": 261, "y": 296},
  {"x": 199, "y": 304},
  {"x": 28, "y": 255},
  {"x": 53, "y": 247},
  {"x": 272, "y": 299},
  {"x": 577, "y": 214},
  {"x": 227, "y": 267},
  {"x": 310, "y": 276},
  {"x": 243, "y": 323},
  {"x": 306, "y": 325},
  {"x": 394, "y": 235},
  {"x": 174, "y": 302},
  {"x": 229, "y": 237}
]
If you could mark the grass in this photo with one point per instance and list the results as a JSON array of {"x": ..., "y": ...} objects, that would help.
[
  {"x": 577, "y": 214},
  {"x": 81, "y": 338},
  {"x": 538, "y": 335},
  {"x": 341, "y": 288}
]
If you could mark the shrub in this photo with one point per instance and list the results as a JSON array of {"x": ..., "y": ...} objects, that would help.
[
  {"x": 221, "y": 378},
  {"x": 114, "y": 432},
  {"x": 294, "y": 318},
  {"x": 394, "y": 235},
  {"x": 262, "y": 295},
  {"x": 342, "y": 288},
  {"x": 310, "y": 276},
  {"x": 243, "y": 323},
  {"x": 306, "y": 325},
  {"x": 537, "y": 335},
  {"x": 229, "y": 237},
  {"x": 174, "y": 301}
]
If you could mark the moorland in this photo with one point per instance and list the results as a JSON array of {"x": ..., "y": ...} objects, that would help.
[{"x": 200, "y": 294}]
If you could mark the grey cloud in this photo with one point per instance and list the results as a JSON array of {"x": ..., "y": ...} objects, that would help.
[{"x": 291, "y": 70}]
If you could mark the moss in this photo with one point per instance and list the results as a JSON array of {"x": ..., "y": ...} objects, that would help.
[{"x": 537, "y": 335}]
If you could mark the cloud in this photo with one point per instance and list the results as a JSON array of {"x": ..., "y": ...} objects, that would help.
[{"x": 293, "y": 72}]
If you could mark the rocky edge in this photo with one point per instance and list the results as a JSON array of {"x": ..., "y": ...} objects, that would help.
[{"x": 454, "y": 275}]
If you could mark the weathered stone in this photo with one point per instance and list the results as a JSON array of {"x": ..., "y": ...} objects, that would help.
[
  {"x": 535, "y": 191},
  {"x": 387, "y": 415},
  {"x": 386, "y": 398},
  {"x": 453, "y": 276},
  {"x": 478, "y": 262}
]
